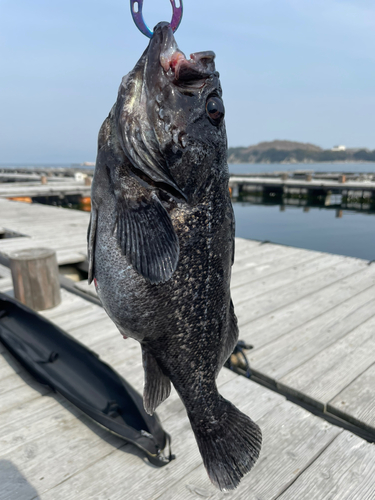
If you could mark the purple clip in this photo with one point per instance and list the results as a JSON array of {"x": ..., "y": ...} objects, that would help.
[{"x": 136, "y": 10}]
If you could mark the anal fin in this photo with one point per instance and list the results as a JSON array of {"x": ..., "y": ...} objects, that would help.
[
  {"x": 230, "y": 339},
  {"x": 157, "y": 385}
]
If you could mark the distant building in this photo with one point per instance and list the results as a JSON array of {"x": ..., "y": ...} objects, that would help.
[{"x": 338, "y": 148}]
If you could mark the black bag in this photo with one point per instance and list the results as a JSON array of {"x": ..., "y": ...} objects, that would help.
[{"x": 57, "y": 360}]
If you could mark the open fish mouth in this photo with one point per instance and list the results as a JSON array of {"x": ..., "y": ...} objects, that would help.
[
  {"x": 195, "y": 68},
  {"x": 176, "y": 66}
]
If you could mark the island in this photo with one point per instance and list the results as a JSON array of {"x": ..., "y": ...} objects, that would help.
[{"x": 280, "y": 151}]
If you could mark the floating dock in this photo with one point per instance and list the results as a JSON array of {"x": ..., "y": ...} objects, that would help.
[
  {"x": 307, "y": 185},
  {"x": 36, "y": 184},
  {"x": 310, "y": 317}
]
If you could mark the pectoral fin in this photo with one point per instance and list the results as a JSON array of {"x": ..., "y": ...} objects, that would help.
[
  {"x": 157, "y": 385},
  {"x": 147, "y": 238}
]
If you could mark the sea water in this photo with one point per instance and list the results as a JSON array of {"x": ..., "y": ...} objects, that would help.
[{"x": 332, "y": 228}]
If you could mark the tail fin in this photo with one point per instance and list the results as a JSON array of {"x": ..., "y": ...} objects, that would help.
[{"x": 229, "y": 445}]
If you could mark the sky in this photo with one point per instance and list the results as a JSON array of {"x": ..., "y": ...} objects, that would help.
[{"x": 301, "y": 70}]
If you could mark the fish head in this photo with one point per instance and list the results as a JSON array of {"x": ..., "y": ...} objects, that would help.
[{"x": 171, "y": 116}]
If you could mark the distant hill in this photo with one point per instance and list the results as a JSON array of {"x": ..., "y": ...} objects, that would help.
[
  {"x": 284, "y": 146},
  {"x": 294, "y": 152}
]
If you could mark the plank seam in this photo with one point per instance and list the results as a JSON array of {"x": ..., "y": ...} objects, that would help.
[
  {"x": 331, "y": 418},
  {"x": 337, "y": 363},
  {"x": 37, "y": 497},
  {"x": 303, "y": 262},
  {"x": 178, "y": 480},
  {"x": 323, "y": 270},
  {"x": 308, "y": 294},
  {"x": 242, "y": 271},
  {"x": 307, "y": 322},
  {"x": 308, "y": 465}
]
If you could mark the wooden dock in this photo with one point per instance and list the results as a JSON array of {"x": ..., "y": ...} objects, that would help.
[
  {"x": 54, "y": 187},
  {"x": 310, "y": 317},
  {"x": 24, "y": 225},
  {"x": 308, "y": 185}
]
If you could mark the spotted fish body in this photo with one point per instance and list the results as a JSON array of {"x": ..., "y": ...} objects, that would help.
[{"x": 161, "y": 243}]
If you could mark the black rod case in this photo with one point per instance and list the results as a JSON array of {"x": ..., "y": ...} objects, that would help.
[{"x": 57, "y": 360}]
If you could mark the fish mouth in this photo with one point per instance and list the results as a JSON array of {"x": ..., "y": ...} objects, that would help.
[{"x": 176, "y": 66}]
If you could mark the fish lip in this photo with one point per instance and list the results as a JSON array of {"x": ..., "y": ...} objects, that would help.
[{"x": 174, "y": 62}]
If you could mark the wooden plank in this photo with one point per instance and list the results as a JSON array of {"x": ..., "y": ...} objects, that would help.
[
  {"x": 242, "y": 243},
  {"x": 28, "y": 421},
  {"x": 15, "y": 380},
  {"x": 10, "y": 245},
  {"x": 279, "y": 357},
  {"x": 327, "y": 373},
  {"x": 70, "y": 257},
  {"x": 8, "y": 365},
  {"x": 44, "y": 415},
  {"x": 85, "y": 315},
  {"x": 14, "y": 189},
  {"x": 39, "y": 223},
  {"x": 353, "y": 291},
  {"x": 264, "y": 254},
  {"x": 273, "y": 267},
  {"x": 97, "y": 331},
  {"x": 19, "y": 395},
  {"x": 67, "y": 447},
  {"x": 4, "y": 272},
  {"x": 294, "y": 274},
  {"x": 71, "y": 311},
  {"x": 356, "y": 402},
  {"x": 76, "y": 306},
  {"x": 247, "y": 252},
  {"x": 344, "y": 471},
  {"x": 69, "y": 303},
  {"x": 6, "y": 284},
  {"x": 284, "y": 295},
  {"x": 115, "y": 475}
]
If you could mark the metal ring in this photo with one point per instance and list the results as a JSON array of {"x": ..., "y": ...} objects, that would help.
[{"x": 136, "y": 10}]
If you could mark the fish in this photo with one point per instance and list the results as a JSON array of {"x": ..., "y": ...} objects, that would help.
[{"x": 161, "y": 243}]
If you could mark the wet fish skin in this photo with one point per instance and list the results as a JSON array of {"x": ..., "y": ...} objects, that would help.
[{"x": 161, "y": 243}]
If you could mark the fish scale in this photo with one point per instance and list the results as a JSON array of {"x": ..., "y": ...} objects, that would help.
[{"x": 161, "y": 243}]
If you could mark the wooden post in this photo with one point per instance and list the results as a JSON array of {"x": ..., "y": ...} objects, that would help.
[{"x": 35, "y": 277}]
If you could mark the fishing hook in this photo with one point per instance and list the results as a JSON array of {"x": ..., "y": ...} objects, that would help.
[{"x": 136, "y": 10}]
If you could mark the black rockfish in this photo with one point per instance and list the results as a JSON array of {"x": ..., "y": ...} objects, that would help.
[{"x": 161, "y": 242}]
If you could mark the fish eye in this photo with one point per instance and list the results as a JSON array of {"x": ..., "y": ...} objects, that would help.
[{"x": 215, "y": 109}]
